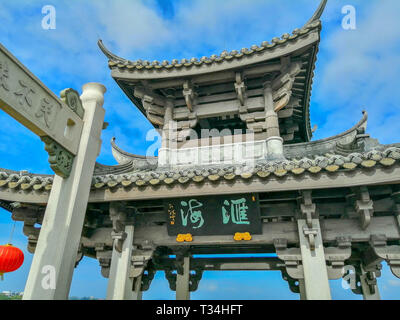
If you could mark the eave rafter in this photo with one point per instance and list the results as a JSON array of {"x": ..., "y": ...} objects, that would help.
[
  {"x": 153, "y": 104},
  {"x": 284, "y": 102},
  {"x": 283, "y": 86}
]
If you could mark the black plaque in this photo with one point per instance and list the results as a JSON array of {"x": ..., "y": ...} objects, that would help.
[{"x": 214, "y": 215}]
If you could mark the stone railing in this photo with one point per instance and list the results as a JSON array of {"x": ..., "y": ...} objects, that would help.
[{"x": 232, "y": 153}]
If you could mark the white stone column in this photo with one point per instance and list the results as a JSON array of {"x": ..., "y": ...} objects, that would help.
[
  {"x": 137, "y": 292},
  {"x": 367, "y": 294},
  {"x": 169, "y": 135},
  {"x": 54, "y": 260},
  {"x": 120, "y": 284},
  {"x": 302, "y": 287},
  {"x": 315, "y": 273},
  {"x": 398, "y": 217},
  {"x": 274, "y": 141},
  {"x": 182, "y": 281}
]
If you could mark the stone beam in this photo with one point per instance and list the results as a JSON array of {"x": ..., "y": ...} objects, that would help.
[{"x": 331, "y": 230}]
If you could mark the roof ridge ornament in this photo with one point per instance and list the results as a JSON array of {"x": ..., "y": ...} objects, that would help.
[
  {"x": 318, "y": 13},
  {"x": 109, "y": 54}
]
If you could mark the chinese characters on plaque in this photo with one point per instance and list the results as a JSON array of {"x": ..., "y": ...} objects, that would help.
[{"x": 214, "y": 215}]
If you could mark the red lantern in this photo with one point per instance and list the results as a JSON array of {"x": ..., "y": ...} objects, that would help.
[{"x": 11, "y": 258}]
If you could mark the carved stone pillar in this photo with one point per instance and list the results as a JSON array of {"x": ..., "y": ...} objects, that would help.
[
  {"x": 397, "y": 212},
  {"x": 168, "y": 123},
  {"x": 169, "y": 134},
  {"x": 313, "y": 259},
  {"x": 62, "y": 226},
  {"x": 369, "y": 284},
  {"x": 274, "y": 141},
  {"x": 302, "y": 288},
  {"x": 120, "y": 284},
  {"x": 183, "y": 278},
  {"x": 140, "y": 260}
]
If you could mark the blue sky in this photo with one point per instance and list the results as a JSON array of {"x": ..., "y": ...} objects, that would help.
[{"x": 356, "y": 70}]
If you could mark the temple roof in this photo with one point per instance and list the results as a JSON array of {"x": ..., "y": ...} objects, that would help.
[
  {"x": 256, "y": 53},
  {"x": 350, "y": 151},
  {"x": 349, "y": 154},
  {"x": 348, "y": 159},
  {"x": 230, "y": 83},
  {"x": 265, "y": 51},
  {"x": 381, "y": 158}
]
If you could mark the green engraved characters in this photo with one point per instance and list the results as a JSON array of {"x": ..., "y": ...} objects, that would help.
[
  {"x": 213, "y": 215},
  {"x": 237, "y": 212},
  {"x": 196, "y": 217}
]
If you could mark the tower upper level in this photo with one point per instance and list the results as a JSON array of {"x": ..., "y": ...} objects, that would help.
[{"x": 226, "y": 91}]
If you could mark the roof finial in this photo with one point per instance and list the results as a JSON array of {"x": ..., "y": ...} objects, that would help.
[
  {"x": 317, "y": 14},
  {"x": 109, "y": 54}
]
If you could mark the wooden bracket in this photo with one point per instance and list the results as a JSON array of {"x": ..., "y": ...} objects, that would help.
[
  {"x": 189, "y": 94},
  {"x": 364, "y": 207},
  {"x": 60, "y": 159},
  {"x": 120, "y": 217},
  {"x": 240, "y": 88},
  {"x": 307, "y": 208}
]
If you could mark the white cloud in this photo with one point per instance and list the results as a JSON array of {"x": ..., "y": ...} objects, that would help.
[
  {"x": 394, "y": 283},
  {"x": 198, "y": 25},
  {"x": 356, "y": 69},
  {"x": 361, "y": 71}
]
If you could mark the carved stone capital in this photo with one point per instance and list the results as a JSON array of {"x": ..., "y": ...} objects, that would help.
[
  {"x": 180, "y": 254},
  {"x": 59, "y": 158},
  {"x": 171, "y": 278},
  {"x": 71, "y": 98},
  {"x": 30, "y": 217},
  {"x": 194, "y": 279},
  {"x": 336, "y": 260},
  {"x": 147, "y": 277},
  {"x": 391, "y": 254},
  {"x": 293, "y": 283},
  {"x": 120, "y": 216},
  {"x": 104, "y": 255},
  {"x": 370, "y": 276},
  {"x": 291, "y": 257},
  {"x": 364, "y": 207},
  {"x": 80, "y": 255},
  {"x": 140, "y": 258},
  {"x": 307, "y": 207}
]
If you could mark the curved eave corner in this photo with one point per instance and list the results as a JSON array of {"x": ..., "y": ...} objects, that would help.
[
  {"x": 316, "y": 17},
  {"x": 386, "y": 160},
  {"x": 117, "y": 62},
  {"x": 138, "y": 162},
  {"x": 318, "y": 13}
]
